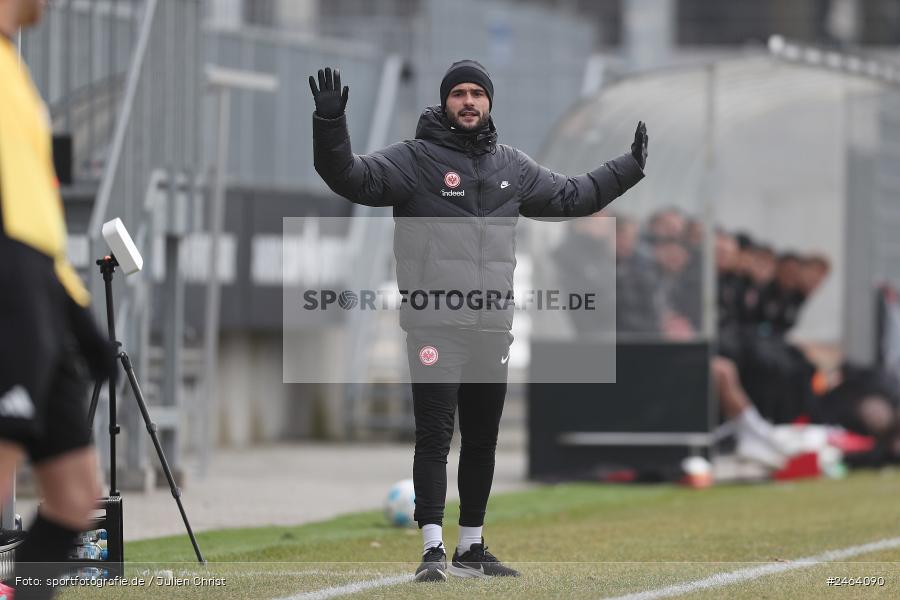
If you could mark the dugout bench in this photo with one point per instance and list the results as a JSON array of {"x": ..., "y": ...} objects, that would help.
[{"x": 659, "y": 411}]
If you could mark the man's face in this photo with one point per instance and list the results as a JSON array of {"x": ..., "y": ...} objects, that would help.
[
  {"x": 812, "y": 274},
  {"x": 788, "y": 274},
  {"x": 468, "y": 106},
  {"x": 726, "y": 253},
  {"x": 597, "y": 226},
  {"x": 29, "y": 11},
  {"x": 626, "y": 238},
  {"x": 762, "y": 266},
  {"x": 745, "y": 260},
  {"x": 668, "y": 224},
  {"x": 671, "y": 255}
]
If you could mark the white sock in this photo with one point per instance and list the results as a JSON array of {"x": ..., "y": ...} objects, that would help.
[
  {"x": 750, "y": 421},
  {"x": 467, "y": 537},
  {"x": 432, "y": 535}
]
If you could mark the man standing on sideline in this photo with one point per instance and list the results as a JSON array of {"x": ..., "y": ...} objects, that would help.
[
  {"x": 47, "y": 334},
  {"x": 470, "y": 191}
]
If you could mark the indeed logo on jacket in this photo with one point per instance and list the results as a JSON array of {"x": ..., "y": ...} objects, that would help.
[{"x": 470, "y": 191}]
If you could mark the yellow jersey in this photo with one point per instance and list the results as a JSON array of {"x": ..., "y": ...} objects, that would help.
[{"x": 31, "y": 209}]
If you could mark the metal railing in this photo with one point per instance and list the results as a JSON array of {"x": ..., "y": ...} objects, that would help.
[
  {"x": 78, "y": 57},
  {"x": 275, "y": 151},
  {"x": 123, "y": 78},
  {"x": 151, "y": 181},
  {"x": 156, "y": 129},
  {"x": 370, "y": 240}
]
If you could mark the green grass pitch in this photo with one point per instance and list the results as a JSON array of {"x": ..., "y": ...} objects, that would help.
[{"x": 570, "y": 541}]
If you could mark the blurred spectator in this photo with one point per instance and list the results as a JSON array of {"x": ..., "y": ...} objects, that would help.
[
  {"x": 728, "y": 294},
  {"x": 666, "y": 223},
  {"x": 626, "y": 238},
  {"x": 674, "y": 299},
  {"x": 728, "y": 276},
  {"x": 864, "y": 401},
  {"x": 759, "y": 376},
  {"x": 782, "y": 298},
  {"x": 694, "y": 234},
  {"x": 751, "y": 279},
  {"x": 664, "y": 260},
  {"x": 688, "y": 297},
  {"x": 584, "y": 262},
  {"x": 813, "y": 271},
  {"x": 635, "y": 310}
]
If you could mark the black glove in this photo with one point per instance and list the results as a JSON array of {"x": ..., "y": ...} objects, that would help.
[
  {"x": 639, "y": 147},
  {"x": 330, "y": 100},
  {"x": 98, "y": 352}
]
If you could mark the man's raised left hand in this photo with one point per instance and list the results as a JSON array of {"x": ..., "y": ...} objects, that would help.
[{"x": 639, "y": 147}]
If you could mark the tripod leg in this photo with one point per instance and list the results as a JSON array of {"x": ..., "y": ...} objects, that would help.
[
  {"x": 151, "y": 429},
  {"x": 95, "y": 397}
]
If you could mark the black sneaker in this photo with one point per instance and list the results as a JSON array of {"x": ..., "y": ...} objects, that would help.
[
  {"x": 478, "y": 562},
  {"x": 434, "y": 565}
]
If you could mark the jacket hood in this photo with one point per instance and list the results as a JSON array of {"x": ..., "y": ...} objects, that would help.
[{"x": 436, "y": 128}]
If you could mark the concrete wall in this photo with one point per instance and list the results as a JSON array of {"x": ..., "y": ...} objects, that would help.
[{"x": 254, "y": 405}]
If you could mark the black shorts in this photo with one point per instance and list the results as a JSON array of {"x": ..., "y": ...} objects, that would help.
[{"x": 43, "y": 381}]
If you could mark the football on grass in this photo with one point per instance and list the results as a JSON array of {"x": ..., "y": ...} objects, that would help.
[{"x": 400, "y": 504}]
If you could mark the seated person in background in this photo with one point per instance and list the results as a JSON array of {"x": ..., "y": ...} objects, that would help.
[
  {"x": 672, "y": 299},
  {"x": 635, "y": 311},
  {"x": 782, "y": 298},
  {"x": 689, "y": 290},
  {"x": 668, "y": 223},
  {"x": 778, "y": 374},
  {"x": 755, "y": 436},
  {"x": 693, "y": 235},
  {"x": 728, "y": 289},
  {"x": 814, "y": 270},
  {"x": 584, "y": 260},
  {"x": 644, "y": 289},
  {"x": 667, "y": 258},
  {"x": 728, "y": 276},
  {"x": 759, "y": 268},
  {"x": 747, "y": 294},
  {"x": 653, "y": 295},
  {"x": 865, "y": 401}
]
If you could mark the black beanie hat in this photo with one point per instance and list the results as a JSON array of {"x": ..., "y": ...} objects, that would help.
[{"x": 466, "y": 71}]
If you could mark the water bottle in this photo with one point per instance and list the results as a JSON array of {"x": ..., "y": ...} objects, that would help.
[
  {"x": 91, "y": 537},
  {"x": 91, "y": 552}
]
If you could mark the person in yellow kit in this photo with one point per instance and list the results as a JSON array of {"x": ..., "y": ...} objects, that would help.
[{"x": 47, "y": 334}]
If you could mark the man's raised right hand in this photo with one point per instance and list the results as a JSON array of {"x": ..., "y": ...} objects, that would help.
[{"x": 330, "y": 99}]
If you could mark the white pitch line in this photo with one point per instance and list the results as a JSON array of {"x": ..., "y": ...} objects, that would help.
[
  {"x": 722, "y": 579},
  {"x": 713, "y": 581},
  {"x": 350, "y": 588}
]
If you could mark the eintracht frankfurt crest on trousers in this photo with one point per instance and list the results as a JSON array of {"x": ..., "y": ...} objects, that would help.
[{"x": 428, "y": 355}]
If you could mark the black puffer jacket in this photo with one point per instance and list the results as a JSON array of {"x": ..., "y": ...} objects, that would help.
[{"x": 472, "y": 191}]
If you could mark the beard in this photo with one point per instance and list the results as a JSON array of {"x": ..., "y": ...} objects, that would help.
[
  {"x": 30, "y": 12},
  {"x": 457, "y": 123}
]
